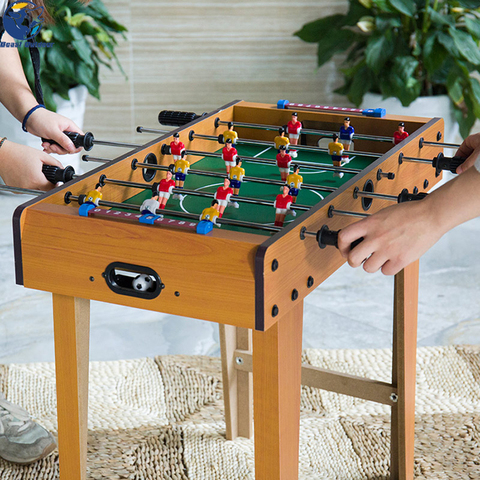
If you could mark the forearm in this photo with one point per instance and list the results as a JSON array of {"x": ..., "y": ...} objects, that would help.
[
  {"x": 456, "y": 201},
  {"x": 15, "y": 93}
]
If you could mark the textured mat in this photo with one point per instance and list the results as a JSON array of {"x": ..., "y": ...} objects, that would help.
[{"x": 163, "y": 419}]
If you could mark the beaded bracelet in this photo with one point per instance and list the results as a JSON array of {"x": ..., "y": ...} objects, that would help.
[
  {"x": 2, "y": 141},
  {"x": 27, "y": 116}
]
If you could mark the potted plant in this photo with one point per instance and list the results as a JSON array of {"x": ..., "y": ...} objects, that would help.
[
  {"x": 84, "y": 37},
  {"x": 406, "y": 49}
]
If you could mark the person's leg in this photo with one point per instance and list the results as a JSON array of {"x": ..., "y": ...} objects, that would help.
[{"x": 21, "y": 439}]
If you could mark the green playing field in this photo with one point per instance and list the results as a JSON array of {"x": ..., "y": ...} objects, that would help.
[{"x": 251, "y": 212}]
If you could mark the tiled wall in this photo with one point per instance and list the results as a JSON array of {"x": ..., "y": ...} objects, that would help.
[{"x": 199, "y": 55}]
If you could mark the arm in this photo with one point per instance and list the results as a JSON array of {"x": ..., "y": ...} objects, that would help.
[
  {"x": 17, "y": 97},
  {"x": 21, "y": 166},
  {"x": 399, "y": 235}
]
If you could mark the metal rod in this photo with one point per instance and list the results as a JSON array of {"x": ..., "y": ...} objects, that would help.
[
  {"x": 25, "y": 191},
  {"x": 181, "y": 191},
  {"x": 332, "y": 212},
  {"x": 305, "y": 186},
  {"x": 270, "y": 161},
  {"x": 321, "y": 133},
  {"x": 381, "y": 196},
  {"x": 416, "y": 160},
  {"x": 193, "y": 216},
  {"x": 151, "y": 130},
  {"x": 89, "y": 158},
  {"x": 308, "y": 148},
  {"x": 442, "y": 145},
  {"x": 116, "y": 144}
]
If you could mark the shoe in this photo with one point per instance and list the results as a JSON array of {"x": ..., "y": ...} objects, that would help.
[
  {"x": 21, "y": 439},
  {"x": 294, "y": 213},
  {"x": 235, "y": 204},
  {"x": 338, "y": 174}
]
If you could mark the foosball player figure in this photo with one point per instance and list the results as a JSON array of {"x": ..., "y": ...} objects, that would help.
[
  {"x": 208, "y": 218},
  {"x": 92, "y": 199},
  {"x": 400, "y": 134},
  {"x": 181, "y": 168},
  {"x": 177, "y": 147},
  {"x": 149, "y": 209},
  {"x": 230, "y": 134},
  {"x": 283, "y": 162},
  {"x": 223, "y": 195},
  {"x": 281, "y": 139},
  {"x": 294, "y": 182},
  {"x": 236, "y": 177},
  {"x": 165, "y": 188},
  {"x": 229, "y": 154},
  {"x": 346, "y": 134},
  {"x": 282, "y": 206},
  {"x": 335, "y": 149},
  {"x": 293, "y": 128}
]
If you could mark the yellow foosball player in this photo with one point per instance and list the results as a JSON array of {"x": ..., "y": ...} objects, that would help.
[
  {"x": 181, "y": 168},
  {"x": 335, "y": 149},
  {"x": 208, "y": 218},
  {"x": 281, "y": 139},
  {"x": 230, "y": 134},
  {"x": 294, "y": 182},
  {"x": 92, "y": 200},
  {"x": 236, "y": 177}
]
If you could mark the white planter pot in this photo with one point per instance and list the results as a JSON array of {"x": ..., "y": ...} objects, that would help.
[
  {"x": 74, "y": 108},
  {"x": 438, "y": 106}
]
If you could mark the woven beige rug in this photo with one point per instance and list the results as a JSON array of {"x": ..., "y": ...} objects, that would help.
[{"x": 163, "y": 419}]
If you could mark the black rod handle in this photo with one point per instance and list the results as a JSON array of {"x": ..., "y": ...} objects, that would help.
[
  {"x": 80, "y": 141},
  {"x": 56, "y": 174},
  {"x": 325, "y": 237},
  {"x": 441, "y": 162},
  {"x": 176, "y": 118}
]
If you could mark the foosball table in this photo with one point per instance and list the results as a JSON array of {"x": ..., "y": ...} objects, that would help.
[{"x": 242, "y": 269}]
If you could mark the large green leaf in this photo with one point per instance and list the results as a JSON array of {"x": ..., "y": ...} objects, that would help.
[
  {"x": 465, "y": 45},
  {"x": 359, "y": 86},
  {"x": 84, "y": 50},
  {"x": 383, "y": 6},
  {"x": 314, "y": 31},
  {"x": 472, "y": 4},
  {"x": 434, "y": 53},
  {"x": 60, "y": 60},
  {"x": 473, "y": 26},
  {"x": 407, "y": 7},
  {"x": 379, "y": 50},
  {"x": 337, "y": 41},
  {"x": 448, "y": 42},
  {"x": 355, "y": 13},
  {"x": 439, "y": 19}
]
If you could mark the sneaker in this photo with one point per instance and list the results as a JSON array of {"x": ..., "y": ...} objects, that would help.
[
  {"x": 294, "y": 213},
  {"x": 338, "y": 174},
  {"x": 21, "y": 439},
  {"x": 235, "y": 204}
]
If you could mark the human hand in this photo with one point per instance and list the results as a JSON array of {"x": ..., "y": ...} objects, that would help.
[
  {"x": 393, "y": 237},
  {"x": 470, "y": 149},
  {"x": 51, "y": 125},
  {"x": 21, "y": 166}
]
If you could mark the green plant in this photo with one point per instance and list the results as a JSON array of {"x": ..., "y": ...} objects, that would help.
[
  {"x": 83, "y": 37},
  {"x": 404, "y": 49}
]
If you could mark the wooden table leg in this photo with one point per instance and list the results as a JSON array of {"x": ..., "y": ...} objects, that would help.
[
  {"x": 404, "y": 372},
  {"x": 276, "y": 391},
  {"x": 237, "y": 384},
  {"x": 71, "y": 318}
]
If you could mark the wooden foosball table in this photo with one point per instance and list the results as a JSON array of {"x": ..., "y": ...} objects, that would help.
[{"x": 249, "y": 276}]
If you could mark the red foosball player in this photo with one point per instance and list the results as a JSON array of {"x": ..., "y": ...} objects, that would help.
[
  {"x": 236, "y": 177},
  {"x": 165, "y": 188},
  {"x": 223, "y": 195},
  {"x": 229, "y": 154},
  {"x": 283, "y": 162},
  {"x": 282, "y": 206},
  {"x": 346, "y": 133},
  {"x": 177, "y": 147},
  {"x": 180, "y": 169},
  {"x": 294, "y": 182},
  {"x": 335, "y": 149},
  {"x": 400, "y": 134},
  {"x": 230, "y": 134},
  {"x": 293, "y": 128}
]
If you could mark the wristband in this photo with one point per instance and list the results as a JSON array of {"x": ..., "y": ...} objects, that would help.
[
  {"x": 27, "y": 116},
  {"x": 2, "y": 141}
]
